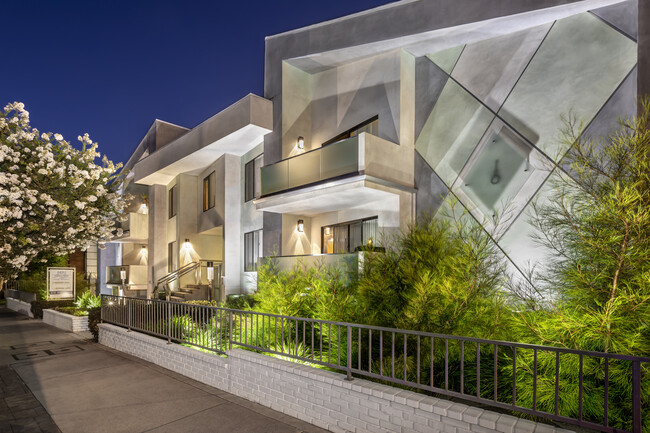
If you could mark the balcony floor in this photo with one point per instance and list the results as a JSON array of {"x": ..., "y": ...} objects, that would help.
[{"x": 348, "y": 193}]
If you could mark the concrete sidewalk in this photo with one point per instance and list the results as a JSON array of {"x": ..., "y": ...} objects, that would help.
[{"x": 54, "y": 380}]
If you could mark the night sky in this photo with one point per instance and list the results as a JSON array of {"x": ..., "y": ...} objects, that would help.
[{"x": 110, "y": 68}]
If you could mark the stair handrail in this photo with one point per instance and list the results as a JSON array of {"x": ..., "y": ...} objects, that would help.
[
  {"x": 174, "y": 275},
  {"x": 178, "y": 273}
]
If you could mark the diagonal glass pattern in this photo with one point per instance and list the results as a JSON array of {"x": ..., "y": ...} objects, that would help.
[
  {"x": 452, "y": 131},
  {"x": 576, "y": 69}
]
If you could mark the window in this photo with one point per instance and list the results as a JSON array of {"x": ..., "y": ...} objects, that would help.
[
  {"x": 349, "y": 237},
  {"x": 208, "y": 192},
  {"x": 252, "y": 181},
  {"x": 371, "y": 126},
  {"x": 172, "y": 200},
  {"x": 252, "y": 250},
  {"x": 172, "y": 256}
]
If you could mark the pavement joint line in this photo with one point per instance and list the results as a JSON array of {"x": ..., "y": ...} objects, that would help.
[
  {"x": 185, "y": 417},
  {"x": 219, "y": 403}
]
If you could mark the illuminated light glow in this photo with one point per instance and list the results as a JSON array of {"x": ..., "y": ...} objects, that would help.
[
  {"x": 300, "y": 143},
  {"x": 301, "y": 226}
]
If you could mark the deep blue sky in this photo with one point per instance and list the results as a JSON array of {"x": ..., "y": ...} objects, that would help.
[{"x": 110, "y": 68}]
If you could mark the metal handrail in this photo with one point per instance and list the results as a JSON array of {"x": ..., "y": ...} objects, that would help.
[
  {"x": 380, "y": 353},
  {"x": 178, "y": 273}
]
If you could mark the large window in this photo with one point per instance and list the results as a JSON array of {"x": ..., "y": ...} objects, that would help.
[
  {"x": 208, "y": 192},
  {"x": 349, "y": 237},
  {"x": 252, "y": 181},
  {"x": 172, "y": 200},
  {"x": 252, "y": 250},
  {"x": 371, "y": 126}
]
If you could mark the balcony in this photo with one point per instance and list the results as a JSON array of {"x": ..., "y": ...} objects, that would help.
[
  {"x": 136, "y": 276},
  {"x": 350, "y": 263},
  {"x": 135, "y": 228},
  {"x": 358, "y": 170}
]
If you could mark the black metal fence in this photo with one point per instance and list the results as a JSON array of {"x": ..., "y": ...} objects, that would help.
[{"x": 567, "y": 385}]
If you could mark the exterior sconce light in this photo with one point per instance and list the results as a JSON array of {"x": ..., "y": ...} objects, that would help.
[
  {"x": 301, "y": 142},
  {"x": 301, "y": 226},
  {"x": 123, "y": 274},
  {"x": 187, "y": 243},
  {"x": 144, "y": 247}
]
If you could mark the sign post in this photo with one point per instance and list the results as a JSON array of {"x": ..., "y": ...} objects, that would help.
[{"x": 61, "y": 283}]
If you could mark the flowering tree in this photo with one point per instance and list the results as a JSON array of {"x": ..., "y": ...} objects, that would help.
[{"x": 53, "y": 197}]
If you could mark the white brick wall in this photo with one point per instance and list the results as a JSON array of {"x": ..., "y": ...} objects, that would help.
[
  {"x": 20, "y": 307},
  {"x": 320, "y": 397},
  {"x": 67, "y": 322}
]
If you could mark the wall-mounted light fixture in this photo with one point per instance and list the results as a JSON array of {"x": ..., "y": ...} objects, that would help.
[
  {"x": 301, "y": 142},
  {"x": 123, "y": 274},
  {"x": 301, "y": 226},
  {"x": 187, "y": 243}
]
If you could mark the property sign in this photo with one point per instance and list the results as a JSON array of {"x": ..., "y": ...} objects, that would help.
[{"x": 61, "y": 283}]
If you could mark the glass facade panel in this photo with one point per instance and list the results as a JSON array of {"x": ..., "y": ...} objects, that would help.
[
  {"x": 452, "y": 131},
  {"x": 339, "y": 158},
  {"x": 581, "y": 60},
  {"x": 446, "y": 59},
  {"x": 304, "y": 169},
  {"x": 275, "y": 177},
  {"x": 490, "y": 68}
]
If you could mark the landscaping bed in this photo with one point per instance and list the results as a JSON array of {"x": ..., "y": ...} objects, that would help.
[{"x": 66, "y": 321}]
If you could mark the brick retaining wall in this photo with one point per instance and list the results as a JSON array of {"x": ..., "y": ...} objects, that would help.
[
  {"x": 20, "y": 307},
  {"x": 320, "y": 397},
  {"x": 67, "y": 322}
]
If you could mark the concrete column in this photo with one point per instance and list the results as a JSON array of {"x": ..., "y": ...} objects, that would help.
[
  {"x": 186, "y": 216},
  {"x": 110, "y": 256},
  {"x": 233, "y": 238},
  {"x": 157, "y": 259}
]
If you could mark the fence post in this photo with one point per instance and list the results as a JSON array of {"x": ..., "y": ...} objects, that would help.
[
  {"x": 128, "y": 313},
  {"x": 169, "y": 323},
  {"x": 349, "y": 363},
  {"x": 636, "y": 396},
  {"x": 229, "y": 330}
]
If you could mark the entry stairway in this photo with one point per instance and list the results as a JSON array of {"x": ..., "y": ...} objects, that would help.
[{"x": 205, "y": 284}]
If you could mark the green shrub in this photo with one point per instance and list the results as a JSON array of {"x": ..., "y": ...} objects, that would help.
[
  {"x": 203, "y": 302},
  {"x": 441, "y": 276},
  {"x": 73, "y": 311},
  {"x": 39, "y": 306},
  {"x": 240, "y": 302},
  {"x": 318, "y": 292},
  {"x": 88, "y": 300},
  {"x": 94, "y": 319}
]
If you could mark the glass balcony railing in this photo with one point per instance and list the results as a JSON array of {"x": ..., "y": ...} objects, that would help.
[{"x": 333, "y": 160}]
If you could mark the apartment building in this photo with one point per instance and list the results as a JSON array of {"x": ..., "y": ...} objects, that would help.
[{"x": 369, "y": 122}]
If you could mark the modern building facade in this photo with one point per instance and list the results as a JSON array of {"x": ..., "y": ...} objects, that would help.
[{"x": 370, "y": 121}]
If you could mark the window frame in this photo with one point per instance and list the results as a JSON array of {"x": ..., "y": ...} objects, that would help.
[
  {"x": 348, "y": 224},
  {"x": 208, "y": 199},
  {"x": 252, "y": 239},
  {"x": 172, "y": 201},
  {"x": 250, "y": 185}
]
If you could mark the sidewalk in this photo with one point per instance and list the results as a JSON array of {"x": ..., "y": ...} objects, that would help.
[{"x": 80, "y": 386}]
